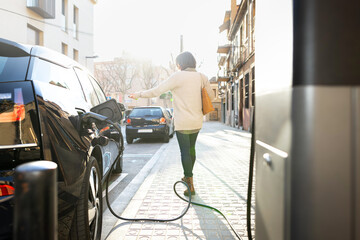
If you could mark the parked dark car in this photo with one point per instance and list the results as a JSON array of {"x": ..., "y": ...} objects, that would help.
[
  {"x": 149, "y": 122},
  {"x": 171, "y": 112},
  {"x": 44, "y": 97}
]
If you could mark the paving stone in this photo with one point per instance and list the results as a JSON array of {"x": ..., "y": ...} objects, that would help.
[{"x": 220, "y": 178}]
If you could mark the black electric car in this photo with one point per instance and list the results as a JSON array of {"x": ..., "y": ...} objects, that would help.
[
  {"x": 149, "y": 122},
  {"x": 44, "y": 97}
]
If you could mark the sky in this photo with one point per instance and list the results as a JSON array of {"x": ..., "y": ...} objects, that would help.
[{"x": 151, "y": 29}]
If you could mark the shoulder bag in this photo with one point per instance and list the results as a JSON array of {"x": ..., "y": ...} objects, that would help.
[{"x": 206, "y": 101}]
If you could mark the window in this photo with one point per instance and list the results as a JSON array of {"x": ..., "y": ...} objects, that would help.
[
  {"x": 63, "y": 16},
  {"x": 75, "y": 55},
  {"x": 141, "y": 112},
  {"x": 75, "y": 22},
  {"x": 242, "y": 44},
  {"x": 241, "y": 92},
  {"x": 63, "y": 7},
  {"x": 232, "y": 97},
  {"x": 247, "y": 90},
  {"x": 99, "y": 92},
  {"x": 34, "y": 36},
  {"x": 89, "y": 91},
  {"x": 227, "y": 102},
  {"x": 236, "y": 48},
  {"x": 13, "y": 68},
  {"x": 253, "y": 26},
  {"x": 214, "y": 92},
  {"x": 64, "y": 49},
  {"x": 253, "y": 86},
  {"x": 247, "y": 42},
  {"x": 247, "y": 25},
  {"x": 56, "y": 75}
]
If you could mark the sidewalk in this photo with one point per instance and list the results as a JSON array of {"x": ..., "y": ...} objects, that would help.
[{"x": 220, "y": 179}]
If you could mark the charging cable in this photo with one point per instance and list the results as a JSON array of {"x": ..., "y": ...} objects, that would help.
[
  {"x": 250, "y": 182},
  {"x": 174, "y": 188}
]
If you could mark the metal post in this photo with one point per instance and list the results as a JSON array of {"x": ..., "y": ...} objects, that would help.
[
  {"x": 35, "y": 214},
  {"x": 181, "y": 44}
]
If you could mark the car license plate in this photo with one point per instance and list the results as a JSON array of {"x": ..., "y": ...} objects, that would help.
[{"x": 145, "y": 131}]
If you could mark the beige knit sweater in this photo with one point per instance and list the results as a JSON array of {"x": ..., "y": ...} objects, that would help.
[{"x": 185, "y": 87}]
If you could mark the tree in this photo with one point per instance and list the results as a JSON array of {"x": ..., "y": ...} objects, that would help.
[
  {"x": 172, "y": 67},
  {"x": 100, "y": 75},
  {"x": 117, "y": 76},
  {"x": 150, "y": 76}
]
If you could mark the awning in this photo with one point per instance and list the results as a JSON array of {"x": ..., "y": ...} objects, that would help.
[
  {"x": 224, "y": 49},
  {"x": 224, "y": 26}
]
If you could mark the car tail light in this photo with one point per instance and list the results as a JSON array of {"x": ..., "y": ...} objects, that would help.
[
  {"x": 128, "y": 121},
  {"x": 162, "y": 120},
  {"x": 6, "y": 190},
  {"x": 18, "y": 113}
]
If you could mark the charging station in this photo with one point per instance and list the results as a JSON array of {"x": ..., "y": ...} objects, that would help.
[{"x": 307, "y": 120}]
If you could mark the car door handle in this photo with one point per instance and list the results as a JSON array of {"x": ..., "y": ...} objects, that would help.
[{"x": 267, "y": 159}]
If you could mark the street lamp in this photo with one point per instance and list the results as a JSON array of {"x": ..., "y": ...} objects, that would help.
[
  {"x": 91, "y": 57},
  {"x": 96, "y": 56}
]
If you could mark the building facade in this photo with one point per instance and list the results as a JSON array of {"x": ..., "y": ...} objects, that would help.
[
  {"x": 65, "y": 26},
  {"x": 216, "y": 102},
  {"x": 236, "y": 61}
]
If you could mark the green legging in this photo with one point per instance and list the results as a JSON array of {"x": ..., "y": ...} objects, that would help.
[{"x": 187, "y": 148}]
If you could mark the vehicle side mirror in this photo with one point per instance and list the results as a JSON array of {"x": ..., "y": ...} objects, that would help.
[
  {"x": 109, "y": 109},
  {"x": 122, "y": 107},
  {"x": 127, "y": 112}
]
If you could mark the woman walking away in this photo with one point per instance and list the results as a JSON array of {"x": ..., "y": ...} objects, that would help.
[{"x": 185, "y": 87}]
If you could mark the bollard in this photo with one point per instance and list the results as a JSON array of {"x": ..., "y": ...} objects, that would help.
[{"x": 35, "y": 214}]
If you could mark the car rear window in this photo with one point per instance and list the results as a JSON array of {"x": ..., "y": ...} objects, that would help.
[
  {"x": 13, "y": 68},
  {"x": 144, "y": 112}
]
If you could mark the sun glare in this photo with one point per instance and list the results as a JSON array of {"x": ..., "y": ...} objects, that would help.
[{"x": 151, "y": 30}]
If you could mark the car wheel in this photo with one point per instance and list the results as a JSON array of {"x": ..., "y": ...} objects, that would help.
[
  {"x": 166, "y": 137},
  {"x": 172, "y": 135},
  {"x": 87, "y": 223},
  {"x": 129, "y": 140},
  {"x": 119, "y": 165}
]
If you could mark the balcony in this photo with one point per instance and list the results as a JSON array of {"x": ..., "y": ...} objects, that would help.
[
  {"x": 222, "y": 78},
  {"x": 224, "y": 49},
  {"x": 221, "y": 89},
  {"x": 224, "y": 26},
  {"x": 45, "y": 8}
]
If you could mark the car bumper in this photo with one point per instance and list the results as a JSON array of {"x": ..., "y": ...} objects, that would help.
[{"x": 151, "y": 131}]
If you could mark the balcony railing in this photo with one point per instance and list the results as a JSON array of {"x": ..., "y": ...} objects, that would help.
[{"x": 239, "y": 58}]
